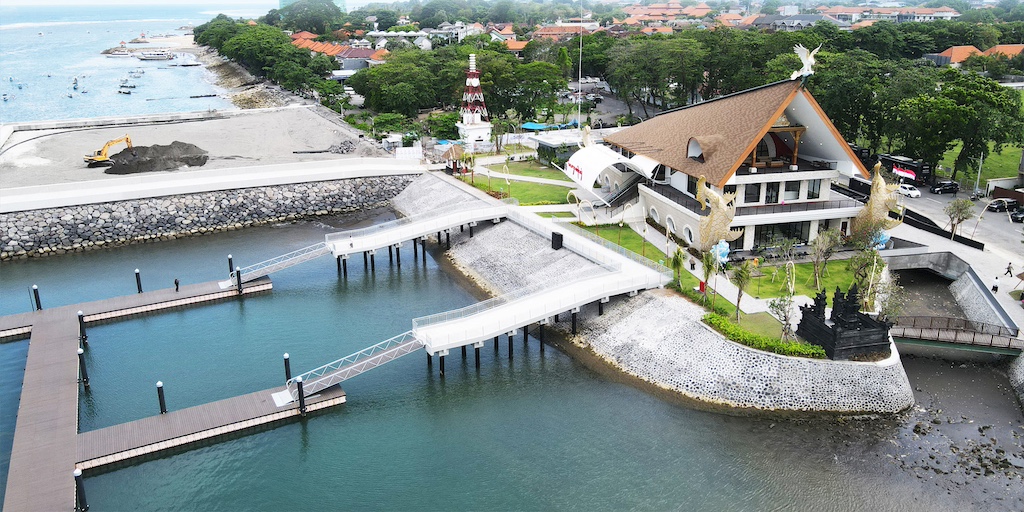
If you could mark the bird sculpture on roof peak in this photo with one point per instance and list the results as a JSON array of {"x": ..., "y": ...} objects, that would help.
[{"x": 807, "y": 58}]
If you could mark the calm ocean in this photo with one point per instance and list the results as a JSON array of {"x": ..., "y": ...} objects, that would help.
[{"x": 44, "y": 48}]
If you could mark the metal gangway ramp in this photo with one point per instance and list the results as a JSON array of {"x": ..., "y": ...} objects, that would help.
[
  {"x": 349, "y": 366},
  {"x": 386, "y": 234}
]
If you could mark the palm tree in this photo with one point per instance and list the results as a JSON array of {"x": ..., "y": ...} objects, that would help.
[
  {"x": 708, "y": 264},
  {"x": 677, "y": 262},
  {"x": 741, "y": 278}
]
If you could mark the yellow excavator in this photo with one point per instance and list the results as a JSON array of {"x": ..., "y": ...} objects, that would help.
[{"x": 100, "y": 158}]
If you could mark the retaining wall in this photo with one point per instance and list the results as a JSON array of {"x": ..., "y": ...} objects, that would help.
[
  {"x": 973, "y": 300},
  {"x": 1016, "y": 375},
  {"x": 59, "y": 230}
]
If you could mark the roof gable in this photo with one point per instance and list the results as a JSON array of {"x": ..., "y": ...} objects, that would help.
[{"x": 739, "y": 121}]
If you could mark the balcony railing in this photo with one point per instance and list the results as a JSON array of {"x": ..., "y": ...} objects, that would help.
[{"x": 694, "y": 206}]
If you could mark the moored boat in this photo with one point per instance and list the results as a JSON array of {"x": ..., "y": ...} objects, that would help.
[{"x": 155, "y": 55}]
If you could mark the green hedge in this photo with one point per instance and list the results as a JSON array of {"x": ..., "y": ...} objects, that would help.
[
  {"x": 737, "y": 334},
  {"x": 723, "y": 308}
]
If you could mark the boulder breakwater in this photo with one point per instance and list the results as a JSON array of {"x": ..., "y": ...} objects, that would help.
[{"x": 48, "y": 231}]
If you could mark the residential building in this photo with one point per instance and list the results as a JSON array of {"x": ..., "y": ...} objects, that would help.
[
  {"x": 893, "y": 14},
  {"x": 771, "y": 146},
  {"x": 952, "y": 56},
  {"x": 556, "y": 33},
  {"x": 419, "y": 38}
]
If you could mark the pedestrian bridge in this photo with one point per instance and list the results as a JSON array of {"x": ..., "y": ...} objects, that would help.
[{"x": 390, "y": 234}]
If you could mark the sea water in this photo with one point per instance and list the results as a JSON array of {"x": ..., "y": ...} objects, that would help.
[{"x": 45, "y": 49}]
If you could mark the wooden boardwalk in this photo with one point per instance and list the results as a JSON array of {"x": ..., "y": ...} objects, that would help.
[
  {"x": 175, "y": 429},
  {"x": 956, "y": 337},
  {"x": 46, "y": 439}
]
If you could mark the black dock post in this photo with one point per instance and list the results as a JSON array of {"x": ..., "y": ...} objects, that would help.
[
  {"x": 495, "y": 343},
  {"x": 238, "y": 278},
  {"x": 391, "y": 255},
  {"x": 430, "y": 360},
  {"x": 415, "y": 250},
  {"x": 81, "y": 367},
  {"x": 302, "y": 396},
  {"x": 442, "y": 367},
  {"x": 160, "y": 395},
  {"x": 574, "y": 322},
  {"x": 448, "y": 239},
  {"x": 364, "y": 259},
  {"x": 463, "y": 351},
  {"x": 398, "y": 255},
  {"x": 438, "y": 238},
  {"x": 423, "y": 249},
  {"x": 600, "y": 307},
  {"x": 540, "y": 328},
  {"x": 339, "y": 264},
  {"x": 471, "y": 231},
  {"x": 82, "y": 505},
  {"x": 344, "y": 267},
  {"x": 231, "y": 265},
  {"x": 82, "y": 336},
  {"x": 138, "y": 280},
  {"x": 373, "y": 265},
  {"x": 287, "y": 368},
  {"x": 476, "y": 350},
  {"x": 510, "y": 346},
  {"x": 35, "y": 294}
]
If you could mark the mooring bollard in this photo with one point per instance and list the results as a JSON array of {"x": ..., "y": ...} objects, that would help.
[
  {"x": 287, "y": 368},
  {"x": 302, "y": 396},
  {"x": 238, "y": 278},
  {"x": 160, "y": 396},
  {"x": 231, "y": 264},
  {"x": 82, "y": 505},
  {"x": 35, "y": 293},
  {"x": 82, "y": 336},
  {"x": 81, "y": 368},
  {"x": 138, "y": 280}
]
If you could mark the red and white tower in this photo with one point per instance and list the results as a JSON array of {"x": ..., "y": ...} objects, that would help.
[{"x": 474, "y": 126}]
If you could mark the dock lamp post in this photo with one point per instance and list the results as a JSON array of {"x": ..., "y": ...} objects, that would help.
[{"x": 83, "y": 504}]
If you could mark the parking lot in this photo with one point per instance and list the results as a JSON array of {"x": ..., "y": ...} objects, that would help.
[{"x": 994, "y": 229}]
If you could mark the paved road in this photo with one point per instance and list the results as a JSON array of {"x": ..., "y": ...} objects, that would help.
[{"x": 994, "y": 229}]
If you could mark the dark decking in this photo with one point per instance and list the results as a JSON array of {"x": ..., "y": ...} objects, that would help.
[
  {"x": 179, "y": 428},
  {"x": 44, "y": 450}
]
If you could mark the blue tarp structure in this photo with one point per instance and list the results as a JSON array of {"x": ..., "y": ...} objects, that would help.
[{"x": 536, "y": 127}]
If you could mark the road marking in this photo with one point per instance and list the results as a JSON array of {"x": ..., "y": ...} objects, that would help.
[{"x": 933, "y": 200}]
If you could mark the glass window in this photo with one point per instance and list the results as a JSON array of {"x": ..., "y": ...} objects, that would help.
[
  {"x": 762, "y": 151},
  {"x": 691, "y": 185},
  {"x": 729, "y": 189},
  {"x": 752, "y": 193},
  {"x": 813, "y": 189},
  {"x": 771, "y": 195},
  {"x": 792, "y": 191}
]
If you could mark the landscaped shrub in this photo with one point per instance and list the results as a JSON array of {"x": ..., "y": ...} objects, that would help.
[{"x": 739, "y": 335}]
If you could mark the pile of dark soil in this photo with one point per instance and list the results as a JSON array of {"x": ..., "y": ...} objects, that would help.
[{"x": 157, "y": 158}]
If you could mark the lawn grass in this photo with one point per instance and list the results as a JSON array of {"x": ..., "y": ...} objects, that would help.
[
  {"x": 526, "y": 193},
  {"x": 628, "y": 239},
  {"x": 560, "y": 215},
  {"x": 837, "y": 275},
  {"x": 533, "y": 169},
  {"x": 1002, "y": 165}
]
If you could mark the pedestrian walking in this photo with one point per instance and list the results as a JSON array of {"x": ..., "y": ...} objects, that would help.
[
  {"x": 1009, "y": 269},
  {"x": 176, "y": 284},
  {"x": 995, "y": 285}
]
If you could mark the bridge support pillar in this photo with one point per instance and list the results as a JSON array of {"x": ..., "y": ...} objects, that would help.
[
  {"x": 423, "y": 249},
  {"x": 438, "y": 238},
  {"x": 373, "y": 264},
  {"x": 442, "y": 366},
  {"x": 448, "y": 239},
  {"x": 476, "y": 354},
  {"x": 510, "y": 336},
  {"x": 398, "y": 255},
  {"x": 463, "y": 351},
  {"x": 344, "y": 267},
  {"x": 82, "y": 336},
  {"x": 462, "y": 228},
  {"x": 600, "y": 308},
  {"x": 430, "y": 360},
  {"x": 391, "y": 255},
  {"x": 471, "y": 230},
  {"x": 415, "y": 250},
  {"x": 574, "y": 313},
  {"x": 556, "y": 317},
  {"x": 81, "y": 367},
  {"x": 540, "y": 335},
  {"x": 302, "y": 396},
  {"x": 495, "y": 343},
  {"x": 365, "y": 259},
  {"x": 82, "y": 504}
]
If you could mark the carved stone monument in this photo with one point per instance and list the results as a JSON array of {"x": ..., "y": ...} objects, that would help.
[{"x": 846, "y": 332}]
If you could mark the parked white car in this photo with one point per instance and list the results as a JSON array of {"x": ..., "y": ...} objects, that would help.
[{"x": 909, "y": 191}]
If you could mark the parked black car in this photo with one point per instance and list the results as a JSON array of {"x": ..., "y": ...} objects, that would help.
[
  {"x": 943, "y": 187},
  {"x": 1017, "y": 216},
  {"x": 1002, "y": 205}
]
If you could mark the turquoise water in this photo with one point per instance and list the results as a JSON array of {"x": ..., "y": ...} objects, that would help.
[
  {"x": 538, "y": 432},
  {"x": 36, "y": 71}
]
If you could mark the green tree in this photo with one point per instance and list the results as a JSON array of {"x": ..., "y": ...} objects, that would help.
[
  {"x": 958, "y": 211},
  {"x": 315, "y": 16},
  {"x": 823, "y": 247},
  {"x": 709, "y": 265},
  {"x": 741, "y": 278},
  {"x": 442, "y": 126},
  {"x": 563, "y": 62},
  {"x": 676, "y": 263},
  {"x": 987, "y": 114},
  {"x": 217, "y": 31}
]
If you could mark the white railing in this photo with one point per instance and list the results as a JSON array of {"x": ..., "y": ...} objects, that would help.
[
  {"x": 620, "y": 250},
  {"x": 281, "y": 262},
  {"x": 507, "y": 298},
  {"x": 349, "y": 366},
  {"x": 524, "y": 310}
]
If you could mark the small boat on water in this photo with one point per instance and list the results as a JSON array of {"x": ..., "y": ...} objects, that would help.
[
  {"x": 124, "y": 91},
  {"x": 155, "y": 55},
  {"x": 6, "y": 97},
  {"x": 74, "y": 84}
]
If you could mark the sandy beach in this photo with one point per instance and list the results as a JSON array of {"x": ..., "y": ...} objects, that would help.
[{"x": 272, "y": 127}]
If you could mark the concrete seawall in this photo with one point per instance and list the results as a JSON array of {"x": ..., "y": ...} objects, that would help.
[{"x": 46, "y": 231}]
